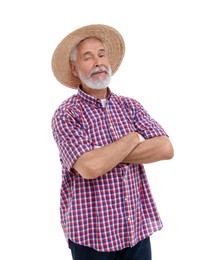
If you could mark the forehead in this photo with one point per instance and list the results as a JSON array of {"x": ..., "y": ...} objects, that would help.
[{"x": 90, "y": 45}]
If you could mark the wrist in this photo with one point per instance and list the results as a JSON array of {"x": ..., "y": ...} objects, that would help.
[{"x": 138, "y": 137}]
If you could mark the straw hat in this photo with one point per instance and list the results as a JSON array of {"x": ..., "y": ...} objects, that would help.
[{"x": 108, "y": 35}]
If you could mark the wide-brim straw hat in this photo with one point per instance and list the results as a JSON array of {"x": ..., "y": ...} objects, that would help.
[{"x": 108, "y": 35}]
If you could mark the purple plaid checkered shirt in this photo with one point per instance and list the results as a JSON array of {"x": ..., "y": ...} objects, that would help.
[{"x": 116, "y": 210}]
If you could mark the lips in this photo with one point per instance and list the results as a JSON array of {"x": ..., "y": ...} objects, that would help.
[{"x": 99, "y": 72}]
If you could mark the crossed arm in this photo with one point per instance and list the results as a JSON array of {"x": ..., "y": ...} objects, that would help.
[{"x": 127, "y": 149}]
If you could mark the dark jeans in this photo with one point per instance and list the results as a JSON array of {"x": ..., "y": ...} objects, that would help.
[{"x": 141, "y": 251}]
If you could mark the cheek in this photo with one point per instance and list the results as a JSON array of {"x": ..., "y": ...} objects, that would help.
[
  {"x": 107, "y": 63},
  {"x": 86, "y": 68},
  {"x": 82, "y": 71}
]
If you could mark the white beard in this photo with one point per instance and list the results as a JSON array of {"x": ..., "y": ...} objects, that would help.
[{"x": 96, "y": 84}]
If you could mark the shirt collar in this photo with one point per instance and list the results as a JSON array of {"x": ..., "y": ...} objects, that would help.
[{"x": 90, "y": 99}]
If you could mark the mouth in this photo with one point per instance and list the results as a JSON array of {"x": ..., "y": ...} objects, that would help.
[{"x": 98, "y": 73}]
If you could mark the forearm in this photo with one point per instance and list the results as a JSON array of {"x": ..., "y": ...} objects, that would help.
[
  {"x": 151, "y": 150},
  {"x": 99, "y": 161}
]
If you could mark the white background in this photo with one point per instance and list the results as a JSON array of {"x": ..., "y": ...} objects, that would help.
[{"x": 174, "y": 65}]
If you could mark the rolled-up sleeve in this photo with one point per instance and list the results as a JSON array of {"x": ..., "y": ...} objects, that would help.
[{"x": 71, "y": 138}]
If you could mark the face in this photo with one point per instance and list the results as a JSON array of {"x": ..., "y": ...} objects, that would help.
[{"x": 92, "y": 64}]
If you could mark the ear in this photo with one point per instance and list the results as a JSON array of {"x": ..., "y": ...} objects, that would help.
[{"x": 73, "y": 69}]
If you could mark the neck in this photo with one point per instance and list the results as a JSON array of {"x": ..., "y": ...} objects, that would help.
[{"x": 97, "y": 93}]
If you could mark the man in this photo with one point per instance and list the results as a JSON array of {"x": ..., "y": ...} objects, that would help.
[{"x": 107, "y": 209}]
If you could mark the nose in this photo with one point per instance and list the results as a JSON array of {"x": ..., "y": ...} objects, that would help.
[{"x": 97, "y": 62}]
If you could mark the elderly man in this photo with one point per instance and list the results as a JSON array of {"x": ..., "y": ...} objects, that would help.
[{"x": 107, "y": 209}]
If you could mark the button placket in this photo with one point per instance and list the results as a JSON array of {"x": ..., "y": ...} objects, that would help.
[
  {"x": 111, "y": 129},
  {"x": 126, "y": 196}
]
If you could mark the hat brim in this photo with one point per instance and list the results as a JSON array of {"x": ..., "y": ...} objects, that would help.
[{"x": 108, "y": 35}]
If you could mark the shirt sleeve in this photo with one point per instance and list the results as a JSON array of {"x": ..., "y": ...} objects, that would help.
[
  {"x": 71, "y": 138},
  {"x": 144, "y": 124}
]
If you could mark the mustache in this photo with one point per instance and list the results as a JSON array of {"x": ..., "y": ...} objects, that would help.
[{"x": 99, "y": 69}]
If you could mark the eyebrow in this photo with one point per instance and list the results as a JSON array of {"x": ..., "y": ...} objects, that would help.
[{"x": 90, "y": 53}]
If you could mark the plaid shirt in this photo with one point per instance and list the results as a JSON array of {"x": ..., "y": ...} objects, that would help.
[{"x": 115, "y": 210}]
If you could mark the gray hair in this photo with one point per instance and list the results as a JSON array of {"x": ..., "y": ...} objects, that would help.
[{"x": 73, "y": 54}]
